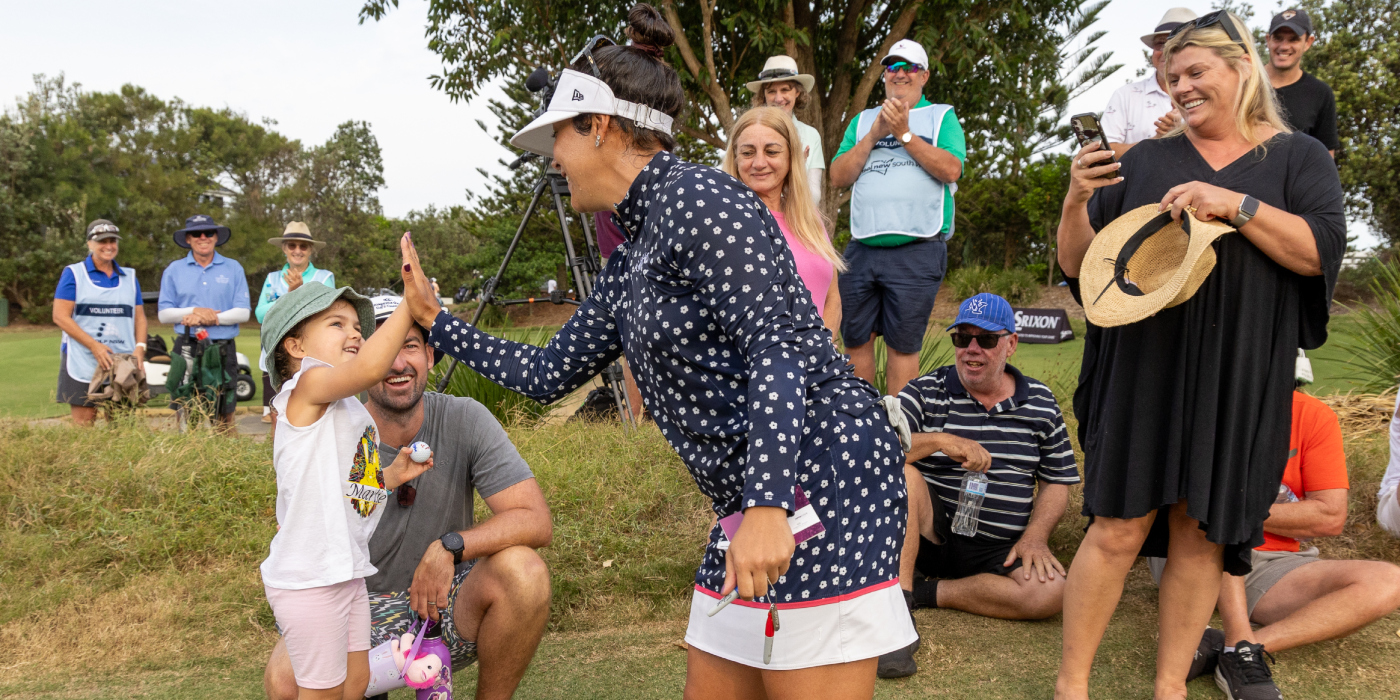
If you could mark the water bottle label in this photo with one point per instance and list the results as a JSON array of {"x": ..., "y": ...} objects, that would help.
[{"x": 977, "y": 486}]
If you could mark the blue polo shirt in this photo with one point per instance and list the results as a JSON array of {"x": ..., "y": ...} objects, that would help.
[
  {"x": 221, "y": 286},
  {"x": 68, "y": 285},
  {"x": 1025, "y": 436}
]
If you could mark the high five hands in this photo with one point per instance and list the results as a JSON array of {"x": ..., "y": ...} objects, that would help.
[{"x": 417, "y": 288}]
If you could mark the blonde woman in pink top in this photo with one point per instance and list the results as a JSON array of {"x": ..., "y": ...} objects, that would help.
[{"x": 765, "y": 152}]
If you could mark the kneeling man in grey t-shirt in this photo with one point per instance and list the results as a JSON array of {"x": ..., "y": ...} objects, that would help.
[{"x": 485, "y": 583}]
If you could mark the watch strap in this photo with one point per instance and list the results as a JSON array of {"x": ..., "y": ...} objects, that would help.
[
  {"x": 1249, "y": 206},
  {"x": 457, "y": 552}
]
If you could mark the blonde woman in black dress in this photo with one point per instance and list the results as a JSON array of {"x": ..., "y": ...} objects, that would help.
[{"x": 1184, "y": 416}]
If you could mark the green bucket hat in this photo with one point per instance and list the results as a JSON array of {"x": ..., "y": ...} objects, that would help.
[{"x": 303, "y": 303}]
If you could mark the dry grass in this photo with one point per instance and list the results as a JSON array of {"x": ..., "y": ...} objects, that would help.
[{"x": 135, "y": 553}]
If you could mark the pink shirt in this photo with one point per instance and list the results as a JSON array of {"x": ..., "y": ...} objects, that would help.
[{"x": 816, "y": 272}]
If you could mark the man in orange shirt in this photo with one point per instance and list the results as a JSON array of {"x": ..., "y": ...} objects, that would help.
[{"x": 1296, "y": 597}]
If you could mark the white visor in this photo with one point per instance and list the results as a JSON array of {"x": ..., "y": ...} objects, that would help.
[{"x": 577, "y": 94}]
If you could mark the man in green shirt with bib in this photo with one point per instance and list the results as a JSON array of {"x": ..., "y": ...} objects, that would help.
[{"x": 902, "y": 161}]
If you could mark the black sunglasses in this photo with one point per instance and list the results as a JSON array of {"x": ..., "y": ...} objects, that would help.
[
  {"x": 597, "y": 42},
  {"x": 986, "y": 341},
  {"x": 201, "y": 234},
  {"x": 1220, "y": 17}
]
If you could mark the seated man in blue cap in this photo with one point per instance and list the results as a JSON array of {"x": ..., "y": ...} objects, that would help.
[
  {"x": 209, "y": 291},
  {"x": 981, "y": 414}
]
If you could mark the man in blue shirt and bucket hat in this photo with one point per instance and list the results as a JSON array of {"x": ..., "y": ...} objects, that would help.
[{"x": 206, "y": 291}]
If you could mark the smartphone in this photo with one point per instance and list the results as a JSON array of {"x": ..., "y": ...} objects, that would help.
[{"x": 1086, "y": 128}]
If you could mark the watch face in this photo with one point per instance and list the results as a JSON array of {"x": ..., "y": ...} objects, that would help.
[{"x": 452, "y": 542}]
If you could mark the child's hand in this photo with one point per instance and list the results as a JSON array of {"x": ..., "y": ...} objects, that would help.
[
  {"x": 404, "y": 469},
  {"x": 417, "y": 290}
]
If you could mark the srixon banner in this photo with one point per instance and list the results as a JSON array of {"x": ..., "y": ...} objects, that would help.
[{"x": 1043, "y": 325}]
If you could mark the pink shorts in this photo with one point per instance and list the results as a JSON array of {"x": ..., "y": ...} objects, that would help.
[{"x": 320, "y": 626}]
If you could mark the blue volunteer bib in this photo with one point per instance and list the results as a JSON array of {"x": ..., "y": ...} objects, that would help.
[
  {"x": 105, "y": 314},
  {"x": 894, "y": 194}
]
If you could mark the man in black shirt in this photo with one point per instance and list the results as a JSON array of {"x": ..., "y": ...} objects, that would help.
[{"x": 1308, "y": 103}]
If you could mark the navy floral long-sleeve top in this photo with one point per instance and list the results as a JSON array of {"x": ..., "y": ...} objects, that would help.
[{"x": 725, "y": 343}]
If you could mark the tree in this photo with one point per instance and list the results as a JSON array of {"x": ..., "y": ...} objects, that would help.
[
  {"x": 1361, "y": 62},
  {"x": 977, "y": 49}
]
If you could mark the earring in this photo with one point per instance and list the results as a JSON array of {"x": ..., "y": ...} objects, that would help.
[{"x": 598, "y": 141}]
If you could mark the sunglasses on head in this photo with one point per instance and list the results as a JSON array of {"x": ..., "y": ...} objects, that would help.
[
  {"x": 201, "y": 234},
  {"x": 986, "y": 341},
  {"x": 903, "y": 67},
  {"x": 1220, "y": 17},
  {"x": 598, "y": 41}
]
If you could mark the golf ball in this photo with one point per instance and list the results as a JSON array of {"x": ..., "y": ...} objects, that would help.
[{"x": 420, "y": 452}]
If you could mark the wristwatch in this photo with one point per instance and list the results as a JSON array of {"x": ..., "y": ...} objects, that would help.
[
  {"x": 1249, "y": 206},
  {"x": 453, "y": 543},
  {"x": 907, "y": 137}
]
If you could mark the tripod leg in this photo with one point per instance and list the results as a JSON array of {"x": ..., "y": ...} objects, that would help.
[
  {"x": 488, "y": 291},
  {"x": 583, "y": 283}
]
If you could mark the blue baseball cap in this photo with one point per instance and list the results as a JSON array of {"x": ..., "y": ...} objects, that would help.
[{"x": 986, "y": 311}]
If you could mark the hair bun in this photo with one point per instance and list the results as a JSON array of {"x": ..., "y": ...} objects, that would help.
[{"x": 648, "y": 30}]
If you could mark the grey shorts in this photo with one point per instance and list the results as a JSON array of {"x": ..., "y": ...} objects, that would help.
[
  {"x": 70, "y": 390},
  {"x": 1269, "y": 569}
]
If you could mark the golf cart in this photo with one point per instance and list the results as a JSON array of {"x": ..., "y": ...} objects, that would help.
[{"x": 157, "y": 368}]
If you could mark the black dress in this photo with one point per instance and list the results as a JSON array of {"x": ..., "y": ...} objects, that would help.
[{"x": 1194, "y": 403}]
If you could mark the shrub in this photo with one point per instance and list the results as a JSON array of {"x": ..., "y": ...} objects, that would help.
[
  {"x": 507, "y": 406},
  {"x": 1375, "y": 350},
  {"x": 970, "y": 280},
  {"x": 1354, "y": 281},
  {"x": 1019, "y": 286}
]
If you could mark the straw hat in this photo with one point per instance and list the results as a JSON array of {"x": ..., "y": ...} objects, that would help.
[
  {"x": 296, "y": 231},
  {"x": 778, "y": 69},
  {"x": 1144, "y": 262}
]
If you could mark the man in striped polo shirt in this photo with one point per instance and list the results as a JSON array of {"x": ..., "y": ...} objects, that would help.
[{"x": 981, "y": 414}]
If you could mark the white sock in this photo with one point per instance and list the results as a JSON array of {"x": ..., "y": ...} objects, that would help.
[{"x": 267, "y": 410}]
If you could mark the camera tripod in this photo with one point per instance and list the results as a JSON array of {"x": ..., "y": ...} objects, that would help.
[{"x": 583, "y": 269}]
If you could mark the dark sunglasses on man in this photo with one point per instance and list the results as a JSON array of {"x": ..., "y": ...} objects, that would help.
[
  {"x": 297, "y": 245},
  {"x": 986, "y": 341},
  {"x": 903, "y": 67},
  {"x": 201, "y": 234},
  {"x": 1220, "y": 17}
]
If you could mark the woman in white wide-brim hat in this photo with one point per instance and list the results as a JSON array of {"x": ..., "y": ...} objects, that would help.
[
  {"x": 704, "y": 299},
  {"x": 782, "y": 85},
  {"x": 1185, "y": 413},
  {"x": 298, "y": 245}
]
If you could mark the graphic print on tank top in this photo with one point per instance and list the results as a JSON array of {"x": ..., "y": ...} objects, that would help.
[{"x": 365, "y": 488}]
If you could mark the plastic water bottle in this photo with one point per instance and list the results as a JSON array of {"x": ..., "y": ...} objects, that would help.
[{"x": 974, "y": 489}]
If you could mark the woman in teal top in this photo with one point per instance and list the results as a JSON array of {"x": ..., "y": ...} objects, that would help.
[{"x": 298, "y": 245}]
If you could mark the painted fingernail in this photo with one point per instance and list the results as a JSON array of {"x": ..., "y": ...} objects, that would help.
[{"x": 407, "y": 267}]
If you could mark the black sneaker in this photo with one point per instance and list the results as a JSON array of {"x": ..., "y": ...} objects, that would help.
[
  {"x": 1244, "y": 675},
  {"x": 900, "y": 662},
  {"x": 1207, "y": 652}
]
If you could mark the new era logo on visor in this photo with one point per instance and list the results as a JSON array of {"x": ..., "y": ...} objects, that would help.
[{"x": 577, "y": 96}]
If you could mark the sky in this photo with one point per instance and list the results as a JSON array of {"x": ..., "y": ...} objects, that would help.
[{"x": 310, "y": 65}]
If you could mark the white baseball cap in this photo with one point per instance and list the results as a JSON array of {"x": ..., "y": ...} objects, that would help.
[
  {"x": 575, "y": 94},
  {"x": 906, "y": 50}
]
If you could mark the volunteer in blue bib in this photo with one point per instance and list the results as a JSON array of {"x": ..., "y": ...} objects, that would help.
[
  {"x": 298, "y": 245},
  {"x": 902, "y": 161},
  {"x": 207, "y": 290},
  {"x": 98, "y": 306}
]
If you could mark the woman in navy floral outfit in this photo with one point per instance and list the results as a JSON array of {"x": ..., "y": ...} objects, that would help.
[{"x": 741, "y": 377}]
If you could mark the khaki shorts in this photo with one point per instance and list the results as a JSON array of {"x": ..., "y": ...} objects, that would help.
[{"x": 1269, "y": 569}]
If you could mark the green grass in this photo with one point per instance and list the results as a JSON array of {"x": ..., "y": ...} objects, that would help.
[
  {"x": 30, "y": 362},
  {"x": 136, "y": 554}
]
